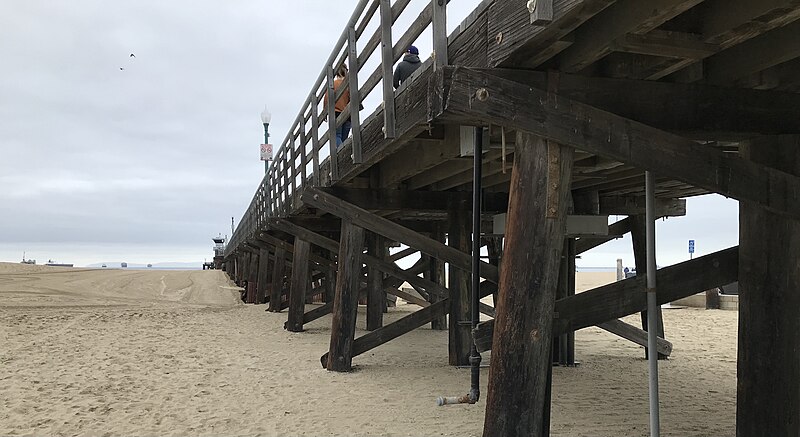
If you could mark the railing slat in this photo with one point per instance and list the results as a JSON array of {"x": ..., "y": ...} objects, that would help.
[
  {"x": 355, "y": 99},
  {"x": 332, "y": 126},
  {"x": 387, "y": 63},
  {"x": 439, "y": 33},
  {"x": 315, "y": 139}
]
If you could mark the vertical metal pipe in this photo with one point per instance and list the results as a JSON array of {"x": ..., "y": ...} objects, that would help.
[
  {"x": 474, "y": 356},
  {"x": 652, "y": 303}
]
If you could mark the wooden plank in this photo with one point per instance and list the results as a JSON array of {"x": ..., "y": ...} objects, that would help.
[
  {"x": 541, "y": 12},
  {"x": 521, "y": 356},
  {"x": 697, "y": 110},
  {"x": 666, "y": 44},
  {"x": 626, "y": 297},
  {"x": 615, "y": 230},
  {"x": 596, "y": 131},
  {"x": 636, "y": 335},
  {"x": 318, "y": 312},
  {"x": 436, "y": 274},
  {"x": 757, "y": 54},
  {"x": 391, "y": 331},
  {"x": 333, "y": 162},
  {"x": 376, "y": 298},
  {"x": 315, "y": 143},
  {"x": 393, "y": 231},
  {"x": 408, "y": 200},
  {"x": 387, "y": 61},
  {"x": 595, "y": 39},
  {"x": 263, "y": 276},
  {"x": 514, "y": 41},
  {"x": 439, "y": 21},
  {"x": 345, "y": 304},
  {"x": 768, "y": 398},
  {"x": 459, "y": 338},
  {"x": 299, "y": 285},
  {"x": 639, "y": 242},
  {"x": 277, "y": 280},
  {"x": 408, "y": 297},
  {"x": 355, "y": 96}
]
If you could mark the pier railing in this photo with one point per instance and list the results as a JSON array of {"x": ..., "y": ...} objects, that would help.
[{"x": 297, "y": 161}]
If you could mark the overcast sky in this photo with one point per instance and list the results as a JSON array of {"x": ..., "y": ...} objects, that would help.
[{"x": 105, "y": 157}]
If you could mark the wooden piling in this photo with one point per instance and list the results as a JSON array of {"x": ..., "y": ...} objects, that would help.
[
  {"x": 345, "y": 304},
  {"x": 263, "y": 276},
  {"x": 376, "y": 297},
  {"x": 459, "y": 321},
  {"x": 299, "y": 285},
  {"x": 768, "y": 398},
  {"x": 639, "y": 240},
  {"x": 521, "y": 360},
  {"x": 277, "y": 280}
]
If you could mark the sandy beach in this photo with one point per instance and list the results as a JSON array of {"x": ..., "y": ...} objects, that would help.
[{"x": 141, "y": 352}]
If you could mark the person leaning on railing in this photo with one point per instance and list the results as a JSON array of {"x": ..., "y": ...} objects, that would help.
[{"x": 344, "y": 130}]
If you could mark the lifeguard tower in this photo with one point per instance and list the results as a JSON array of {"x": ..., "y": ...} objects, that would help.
[{"x": 219, "y": 254}]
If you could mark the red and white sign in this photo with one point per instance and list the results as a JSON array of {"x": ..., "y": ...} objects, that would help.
[{"x": 266, "y": 152}]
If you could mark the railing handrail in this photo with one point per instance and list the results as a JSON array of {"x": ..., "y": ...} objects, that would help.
[{"x": 280, "y": 183}]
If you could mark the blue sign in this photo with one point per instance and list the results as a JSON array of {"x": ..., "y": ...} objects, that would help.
[{"x": 691, "y": 246}]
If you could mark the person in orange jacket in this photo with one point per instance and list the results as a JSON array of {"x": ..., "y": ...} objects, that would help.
[{"x": 342, "y": 131}]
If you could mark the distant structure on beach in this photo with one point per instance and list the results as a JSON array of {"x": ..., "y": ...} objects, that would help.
[
  {"x": 219, "y": 254},
  {"x": 27, "y": 261},
  {"x": 149, "y": 266},
  {"x": 123, "y": 265},
  {"x": 52, "y": 263}
]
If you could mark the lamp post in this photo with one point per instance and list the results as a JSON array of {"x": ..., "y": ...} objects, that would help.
[{"x": 266, "y": 117}]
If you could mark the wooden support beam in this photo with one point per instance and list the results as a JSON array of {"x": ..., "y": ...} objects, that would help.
[
  {"x": 636, "y": 335},
  {"x": 626, "y": 297},
  {"x": 768, "y": 370},
  {"x": 639, "y": 241},
  {"x": 263, "y": 276},
  {"x": 696, "y": 110},
  {"x": 460, "y": 339},
  {"x": 596, "y": 131},
  {"x": 276, "y": 289},
  {"x": 665, "y": 44},
  {"x": 345, "y": 303},
  {"x": 298, "y": 285},
  {"x": 390, "y": 332},
  {"x": 436, "y": 274},
  {"x": 521, "y": 358},
  {"x": 388, "y": 199},
  {"x": 595, "y": 39},
  {"x": 515, "y": 41},
  {"x": 615, "y": 230},
  {"x": 376, "y": 297},
  {"x": 757, "y": 54},
  {"x": 394, "y": 231}
]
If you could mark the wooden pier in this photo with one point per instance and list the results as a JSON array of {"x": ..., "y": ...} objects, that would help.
[{"x": 575, "y": 100}]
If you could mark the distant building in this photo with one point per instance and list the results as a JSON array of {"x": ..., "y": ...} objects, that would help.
[{"x": 124, "y": 265}]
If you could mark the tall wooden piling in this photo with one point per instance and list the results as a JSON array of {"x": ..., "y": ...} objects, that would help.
[
  {"x": 639, "y": 241},
  {"x": 345, "y": 303},
  {"x": 277, "y": 280},
  {"x": 459, "y": 320},
  {"x": 263, "y": 276},
  {"x": 298, "y": 285},
  {"x": 768, "y": 397},
  {"x": 376, "y": 296},
  {"x": 521, "y": 359}
]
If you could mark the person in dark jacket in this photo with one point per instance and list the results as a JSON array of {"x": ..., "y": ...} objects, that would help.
[{"x": 407, "y": 66}]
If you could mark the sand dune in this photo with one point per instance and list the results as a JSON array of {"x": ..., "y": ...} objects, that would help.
[{"x": 115, "y": 352}]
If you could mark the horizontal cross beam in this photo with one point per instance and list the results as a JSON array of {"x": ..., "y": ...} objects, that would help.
[{"x": 475, "y": 97}]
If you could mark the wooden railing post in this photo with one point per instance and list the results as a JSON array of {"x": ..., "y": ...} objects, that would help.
[
  {"x": 355, "y": 98},
  {"x": 439, "y": 33},
  {"x": 387, "y": 61},
  {"x": 332, "y": 125},
  {"x": 315, "y": 138},
  {"x": 303, "y": 156}
]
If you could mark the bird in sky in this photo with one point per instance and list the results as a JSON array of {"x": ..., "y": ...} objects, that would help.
[
  {"x": 132, "y": 55},
  {"x": 121, "y": 69}
]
